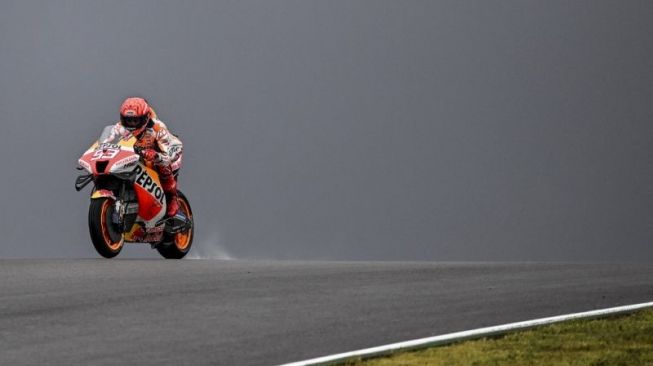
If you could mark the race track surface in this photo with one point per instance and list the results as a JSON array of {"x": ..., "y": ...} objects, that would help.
[{"x": 196, "y": 312}]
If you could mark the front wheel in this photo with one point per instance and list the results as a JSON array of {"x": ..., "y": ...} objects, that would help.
[
  {"x": 180, "y": 243},
  {"x": 105, "y": 235}
]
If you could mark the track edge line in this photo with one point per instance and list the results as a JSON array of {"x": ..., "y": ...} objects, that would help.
[{"x": 448, "y": 338}]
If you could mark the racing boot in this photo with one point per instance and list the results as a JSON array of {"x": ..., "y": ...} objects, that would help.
[
  {"x": 172, "y": 203},
  {"x": 169, "y": 185}
]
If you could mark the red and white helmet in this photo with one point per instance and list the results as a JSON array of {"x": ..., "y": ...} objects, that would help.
[{"x": 135, "y": 113}]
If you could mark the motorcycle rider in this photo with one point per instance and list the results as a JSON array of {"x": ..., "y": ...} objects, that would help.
[{"x": 154, "y": 143}]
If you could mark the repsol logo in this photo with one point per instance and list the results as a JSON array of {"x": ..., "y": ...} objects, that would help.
[{"x": 144, "y": 180}]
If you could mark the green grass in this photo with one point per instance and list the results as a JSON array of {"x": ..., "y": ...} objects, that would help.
[{"x": 622, "y": 340}]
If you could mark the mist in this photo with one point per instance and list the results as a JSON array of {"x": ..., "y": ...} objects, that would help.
[{"x": 344, "y": 130}]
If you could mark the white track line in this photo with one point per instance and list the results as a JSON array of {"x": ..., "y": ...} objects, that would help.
[{"x": 465, "y": 335}]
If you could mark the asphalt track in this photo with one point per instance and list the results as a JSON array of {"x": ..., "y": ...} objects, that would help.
[{"x": 196, "y": 312}]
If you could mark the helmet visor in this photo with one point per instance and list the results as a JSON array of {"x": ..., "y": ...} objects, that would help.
[{"x": 132, "y": 122}]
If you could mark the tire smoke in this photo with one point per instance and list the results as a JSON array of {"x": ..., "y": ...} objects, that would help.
[{"x": 209, "y": 248}]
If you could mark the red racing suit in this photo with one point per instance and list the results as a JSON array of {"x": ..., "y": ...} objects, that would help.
[{"x": 169, "y": 153}]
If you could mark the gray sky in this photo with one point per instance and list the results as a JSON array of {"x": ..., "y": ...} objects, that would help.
[{"x": 429, "y": 130}]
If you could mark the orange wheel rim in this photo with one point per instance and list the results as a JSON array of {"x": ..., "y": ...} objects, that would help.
[
  {"x": 183, "y": 239},
  {"x": 113, "y": 245}
]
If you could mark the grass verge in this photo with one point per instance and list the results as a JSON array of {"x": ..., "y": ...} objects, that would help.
[{"x": 621, "y": 340}]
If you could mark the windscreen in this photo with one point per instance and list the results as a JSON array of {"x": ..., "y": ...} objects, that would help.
[{"x": 106, "y": 134}]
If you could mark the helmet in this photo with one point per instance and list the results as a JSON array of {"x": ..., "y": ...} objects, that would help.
[{"x": 135, "y": 113}]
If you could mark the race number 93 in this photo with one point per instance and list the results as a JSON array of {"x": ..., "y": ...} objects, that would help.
[{"x": 105, "y": 154}]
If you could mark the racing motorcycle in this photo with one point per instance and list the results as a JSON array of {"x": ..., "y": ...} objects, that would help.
[{"x": 128, "y": 203}]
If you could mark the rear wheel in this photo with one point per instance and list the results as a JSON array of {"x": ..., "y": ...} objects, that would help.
[
  {"x": 179, "y": 244},
  {"x": 105, "y": 235}
]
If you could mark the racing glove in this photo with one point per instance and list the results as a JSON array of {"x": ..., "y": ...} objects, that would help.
[{"x": 150, "y": 155}]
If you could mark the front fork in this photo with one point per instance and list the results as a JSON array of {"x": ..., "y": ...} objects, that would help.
[
  {"x": 118, "y": 216},
  {"x": 119, "y": 207}
]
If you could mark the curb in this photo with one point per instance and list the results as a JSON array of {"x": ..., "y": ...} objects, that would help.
[{"x": 466, "y": 335}]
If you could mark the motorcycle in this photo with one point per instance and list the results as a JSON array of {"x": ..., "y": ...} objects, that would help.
[{"x": 128, "y": 203}]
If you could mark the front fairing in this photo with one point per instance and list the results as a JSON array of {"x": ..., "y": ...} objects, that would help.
[
  {"x": 113, "y": 157},
  {"x": 110, "y": 155}
]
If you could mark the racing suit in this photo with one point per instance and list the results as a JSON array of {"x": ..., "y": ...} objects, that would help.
[{"x": 168, "y": 149}]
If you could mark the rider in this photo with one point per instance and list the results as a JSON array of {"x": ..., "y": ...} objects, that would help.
[{"x": 154, "y": 143}]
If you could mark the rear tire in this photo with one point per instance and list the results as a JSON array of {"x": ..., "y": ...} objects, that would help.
[
  {"x": 177, "y": 246},
  {"x": 106, "y": 238}
]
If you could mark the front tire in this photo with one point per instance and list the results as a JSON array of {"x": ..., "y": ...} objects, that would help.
[
  {"x": 106, "y": 238},
  {"x": 179, "y": 245}
]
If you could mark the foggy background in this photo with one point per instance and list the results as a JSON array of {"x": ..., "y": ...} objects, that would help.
[{"x": 381, "y": 130}]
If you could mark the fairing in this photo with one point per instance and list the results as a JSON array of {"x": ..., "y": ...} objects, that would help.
[{"x": 117, "y": 157}]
